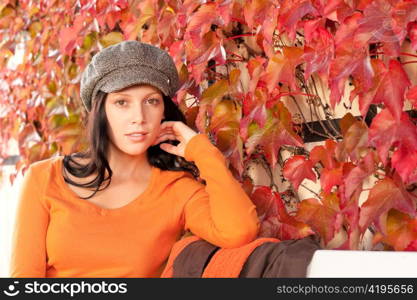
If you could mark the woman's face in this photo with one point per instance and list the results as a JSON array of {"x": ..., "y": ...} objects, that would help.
[{"x": 139, "y": 108}]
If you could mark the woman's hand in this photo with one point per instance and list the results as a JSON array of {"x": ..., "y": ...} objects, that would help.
[{"x": 174, "y": 130}]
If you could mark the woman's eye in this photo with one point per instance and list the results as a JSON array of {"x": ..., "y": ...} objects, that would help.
[
  {"x": 153, "y": 101},
  {"x": 120, "y": 101}
]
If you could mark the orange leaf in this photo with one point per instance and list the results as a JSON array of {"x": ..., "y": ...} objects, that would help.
[
  {"x": 281, "y": 68},
  {"x": 321, "y": 218},
  {"x": 401, "y": 230},
  {"x": 384, "y": 195}
]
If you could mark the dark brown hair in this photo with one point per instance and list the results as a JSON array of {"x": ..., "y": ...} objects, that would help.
[{"x": 98, "y": 142}]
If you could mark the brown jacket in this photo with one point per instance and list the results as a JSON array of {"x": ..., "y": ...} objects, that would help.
[{"x": 262, "y": 258}]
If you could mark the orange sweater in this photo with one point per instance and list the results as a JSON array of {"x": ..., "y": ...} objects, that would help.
[{"x": 58, "y": 234}]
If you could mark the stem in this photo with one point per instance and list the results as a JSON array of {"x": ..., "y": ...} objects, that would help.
[
  {"x": 409, "y": 62},
  {"x": 235, "y": 54},
  {"x": 235, "y": 60},
  {"x": 304, "y": 119},
  {"x": 322, "y": 106},
  {"x": 324, "y": 110},
  {"x": 192, "y": 104},
  {"x": 401, "y": 53},
  {"x": 296, "y": 93},
  {"x": 228, "y": 60},
  {"x": 240, "y": 35},
  {"x": 301, "y": 78},
  {"x": 408, "y": 54},
  {"x": 267, "y": 168},
  {"x": 311, "y": 191}
]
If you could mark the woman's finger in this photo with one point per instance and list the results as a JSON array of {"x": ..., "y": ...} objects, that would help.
[
  {"x": 169, "y": 148},
  {"x": 165, "y": 137}
]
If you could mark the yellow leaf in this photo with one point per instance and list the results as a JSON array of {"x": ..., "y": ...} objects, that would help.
[
  {"x": 72, "y": 71},
  {"x": 33, "y": 11},
  {"x": 52, "y": 87},
  {"x": 111, "y": 39},
  {"x": 34, "y": 28},
  {"x": 170, "y": 9},
  {"x": 234, "y": 76},
  {"x": 216, "y": 90},
  {"x": 88, "y": 41},
  {"x": 7, "y": 11},
  {"x": 225, "y": 114}
]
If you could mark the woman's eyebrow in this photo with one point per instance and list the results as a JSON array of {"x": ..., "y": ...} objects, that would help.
[{"x": 128, "y": 95}]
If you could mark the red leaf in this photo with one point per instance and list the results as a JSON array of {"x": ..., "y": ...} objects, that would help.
[
  {"x": 211, "y": 48},
  {"x": 412, "y": 34},
  {"x": 263, "y": 198},
  {"x": 376, "y": 26},
  {"x": 392, "y": 88},
  {"x": 255, "y": 11},
  {"x": 362, "y": 89},
  {"x": 68, "y": 36},
  {"x": 167, "y": 28},
  {"x": 351, "y": 56},
  {"x": 384, "y": 195},
  {"x": 275, "y": 221},
  {"x": 112, "y": 18},
  {"x": 201, "y": 22},
  {"x": 255, "y": 68},
  {"x": 291, "y": 12},
  {"x": 412, "y": 246},
  {"x": 269, "y": 25},
  {"x": 290, "y": 228},
  {"x": 318, "y": 49},
  {"x": 325, "y": 154},
  {"x": 412, "y": 96},
  {"x": 297, "y": 168},
  {"x": 404, "y": 160},
  {"x": 277, "y": 132},
  {"x": 350, "y": 210},
  {"x": 330, "y": 178},
  {"x": 186, "y": 8},
  {"x": 386, "y": 132},
  {"x": 333, "y": 9},
  {"x": 356, "y": 176}
]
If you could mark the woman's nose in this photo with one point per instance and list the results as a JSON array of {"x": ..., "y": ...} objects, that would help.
[{"x": 138, "y": 115}]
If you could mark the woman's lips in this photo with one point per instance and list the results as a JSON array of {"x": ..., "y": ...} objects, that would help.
[{"x": 135, "y": 137}]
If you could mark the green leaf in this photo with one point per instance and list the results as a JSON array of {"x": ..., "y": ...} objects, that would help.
[{"x": 88, "y": 41}]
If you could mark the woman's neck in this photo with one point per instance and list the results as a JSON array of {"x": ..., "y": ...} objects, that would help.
[{"x": 128, "y": 167}]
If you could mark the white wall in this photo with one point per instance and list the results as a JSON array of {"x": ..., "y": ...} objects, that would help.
[{"x": 8, "y": 201}]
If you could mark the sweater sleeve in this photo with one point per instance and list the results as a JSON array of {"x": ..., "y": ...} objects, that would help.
[
  {"x": 219, "y": 212},
  {"x": 28, "y": 257}
]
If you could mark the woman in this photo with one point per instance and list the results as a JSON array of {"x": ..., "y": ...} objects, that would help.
[{"x": 117, "y": 209}]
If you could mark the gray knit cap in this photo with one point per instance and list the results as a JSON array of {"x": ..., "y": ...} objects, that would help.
[{"x": 126, "y": 64}]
